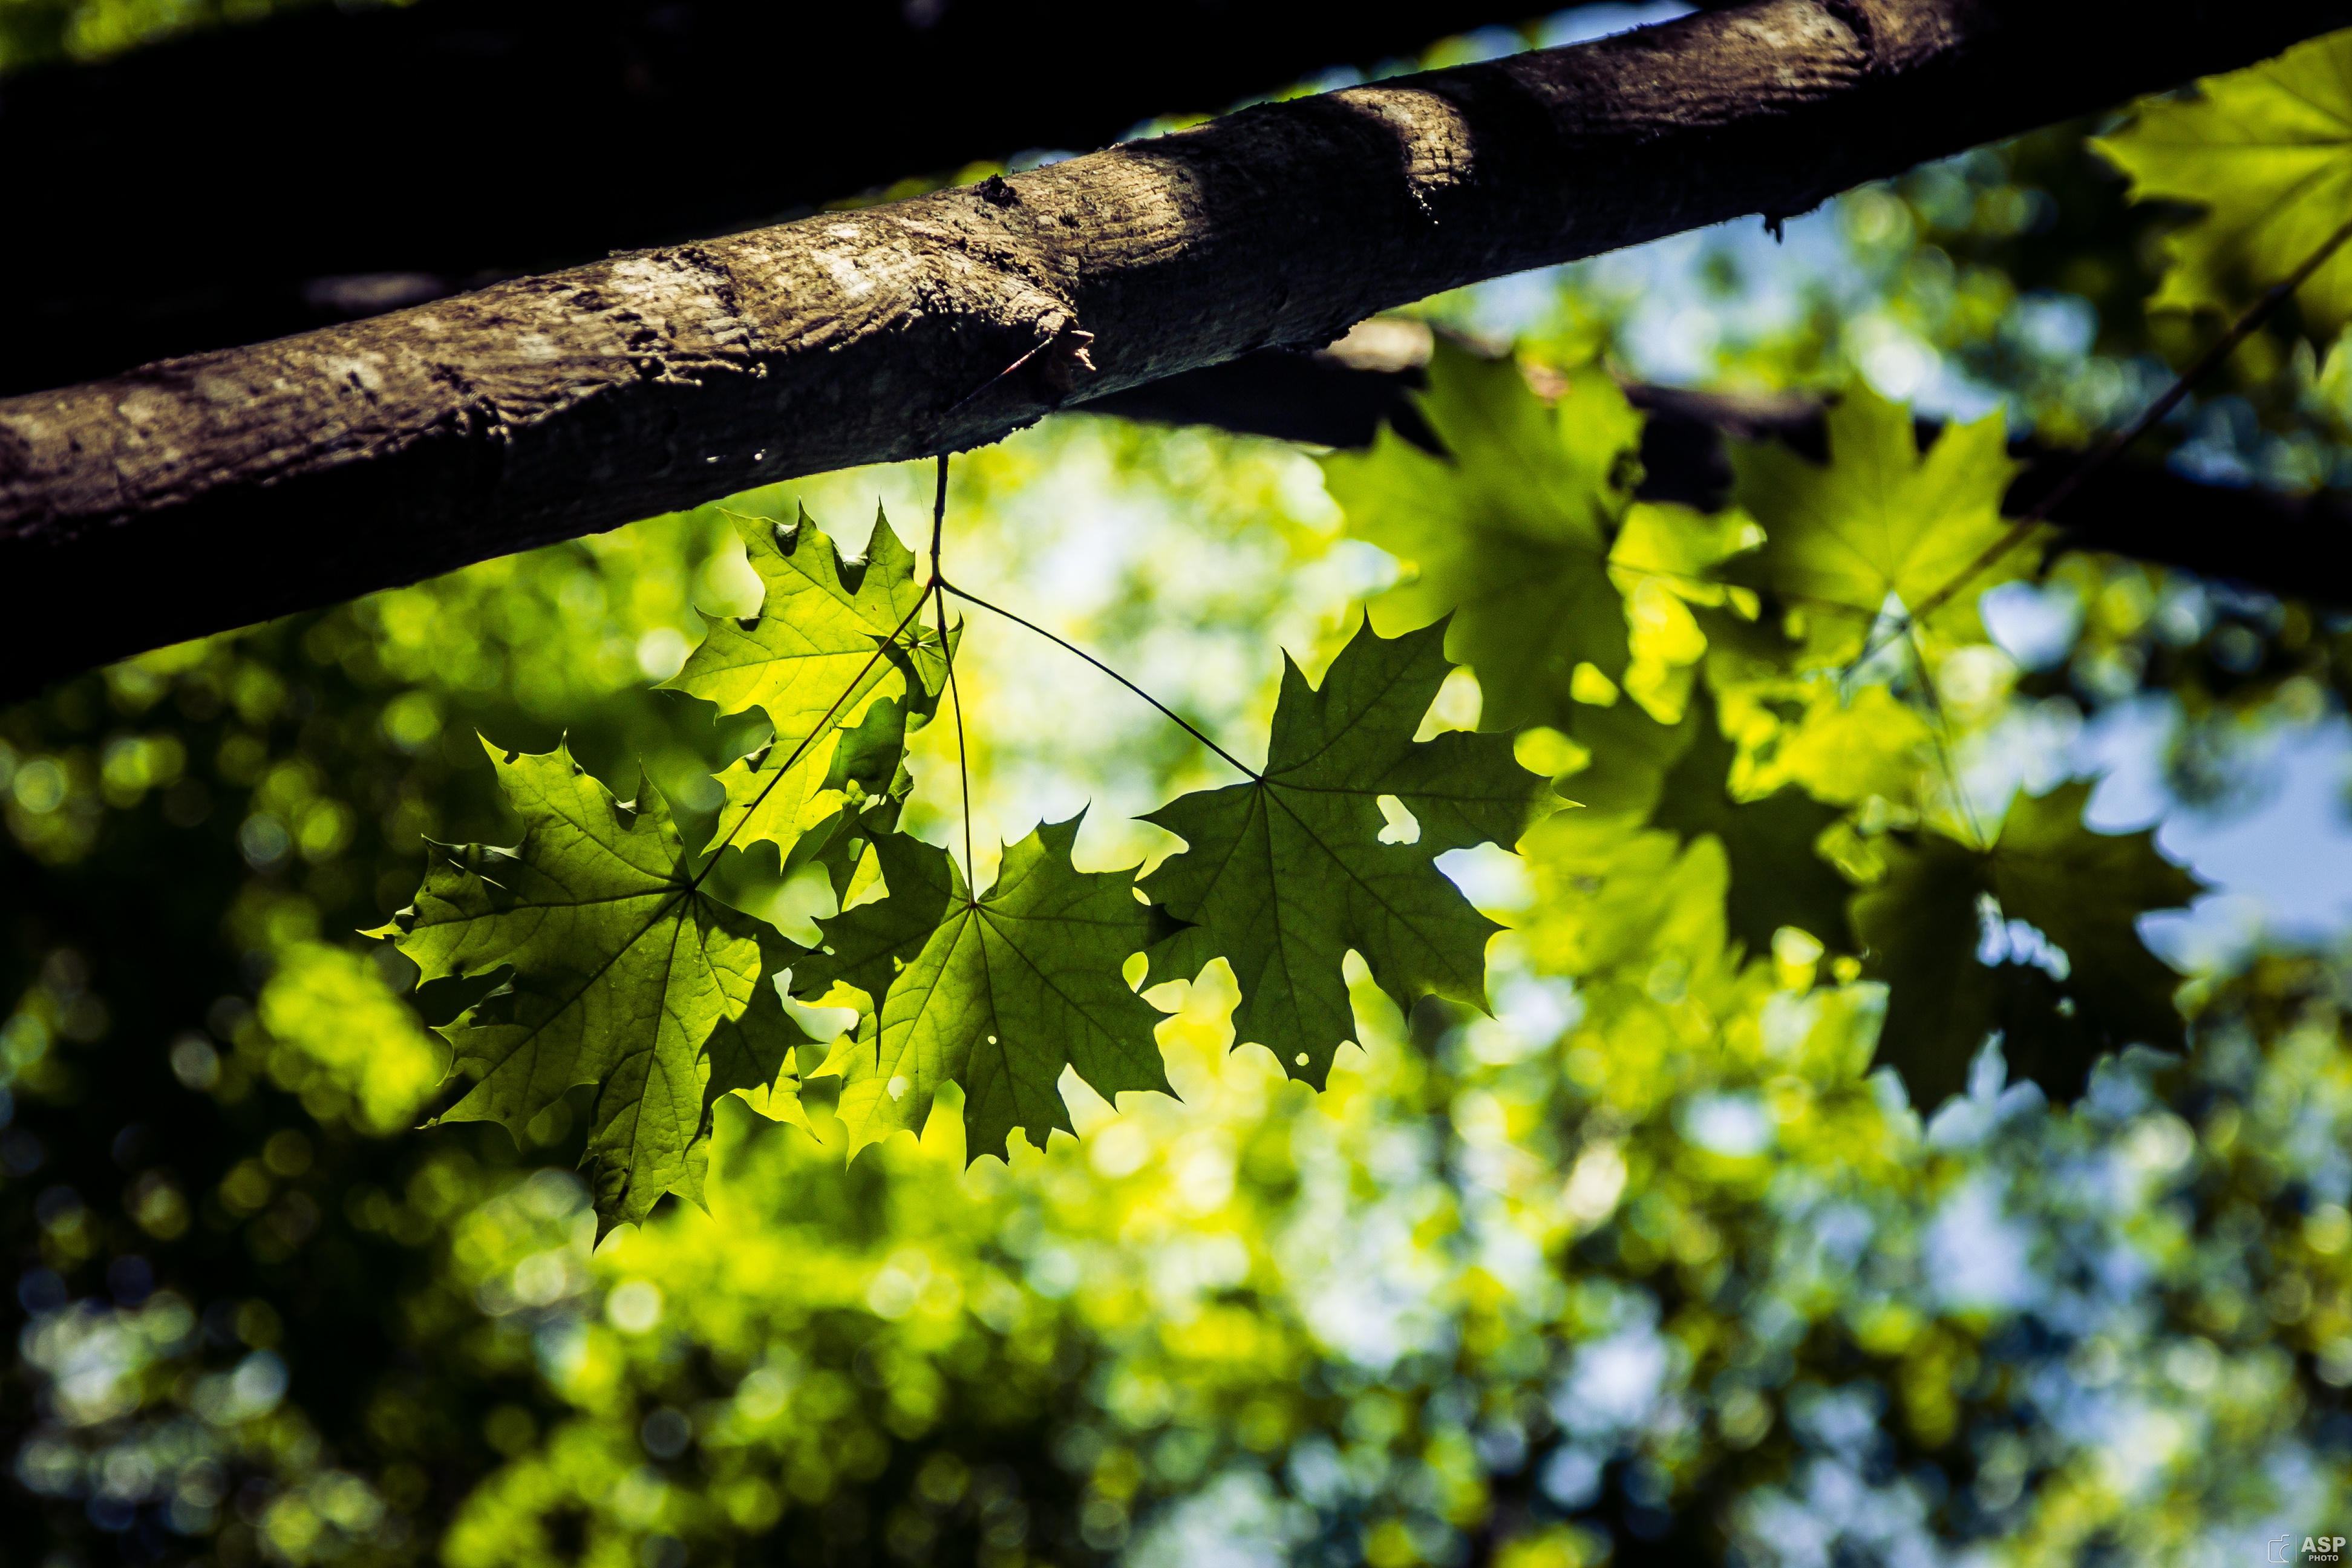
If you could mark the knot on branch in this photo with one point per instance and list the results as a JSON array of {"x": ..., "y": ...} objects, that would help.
[{"x": 1064, "y": 357}]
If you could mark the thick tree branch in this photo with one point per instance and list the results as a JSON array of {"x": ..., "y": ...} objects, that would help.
[
  {"x": 676, "y": 120},
  {"x": 205, "y": 492}
]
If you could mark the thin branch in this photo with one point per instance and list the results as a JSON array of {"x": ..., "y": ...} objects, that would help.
[
  {"x": 1171, "y": 715},
  {"x": 2114, "y": 445},
  {"x": 939, "y": 524}
]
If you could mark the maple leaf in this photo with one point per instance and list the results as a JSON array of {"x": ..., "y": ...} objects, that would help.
[
  {"x": 826, "y": 805},
  {"x": 817, "y": 627},
  {"x": 997, "y": 994},
  {"x": 1621, "y": 764},
  {"x": 1509, "y": 531},
  {"x": 1777, "y": 878},
  {"x": 808, "y": 660},
  {"x": 2267, "y": 152},
  {"x": 1881, "y": 519},
  {"x": 753, "y": 1057},
  {"x": 1282, "y": 874},
  {"x": 867, "y": 945},
  {"x": 617, "y": 970},
  {"x": 2084, "y": 890},
  {"x": 1615, "y": 895}
]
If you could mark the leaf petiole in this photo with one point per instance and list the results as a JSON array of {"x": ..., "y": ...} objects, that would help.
[
  {"x": 1169, "y": 712},
  {"x": 955, "y": 700}
]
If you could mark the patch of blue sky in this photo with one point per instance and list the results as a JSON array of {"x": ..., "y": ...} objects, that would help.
[
  {"x": 2276, "y": 848},
  {"x": 1582, "y": 23},
  {"x": 1978, "y": 1256},
  {"x": 2280, "y": 863},
  {"x": 1615, "y": 1384},
  {"x": 1675, "y": 322}
]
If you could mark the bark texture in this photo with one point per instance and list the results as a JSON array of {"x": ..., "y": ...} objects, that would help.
[
  {"x": 678, "y": 119},
  {"x": 202, "y": 493}
]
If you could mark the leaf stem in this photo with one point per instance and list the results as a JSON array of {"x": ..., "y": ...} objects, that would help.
[
  {"x": 1172, "y": 716},
  {"x": 938, "y": 585},
  {"x": 955, "y": 700},
  {"x": 939, "y": 524},
  {"x": 2114, "y": 446}
]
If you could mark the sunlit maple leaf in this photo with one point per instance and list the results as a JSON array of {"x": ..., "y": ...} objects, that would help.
[
  {"x": 997, "y": 994},
  {"x": 836, "y": 658},
  {"x": 1282, "y": 874},
  {"x": 1509, "y": 531},
  {"x": 611, "y": 969},
  {"x": 1883, "y": 526},
  {"x": 2266, "y": 152}
]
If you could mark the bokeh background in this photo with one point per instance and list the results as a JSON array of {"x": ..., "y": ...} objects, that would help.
[{"x": 1583, "y": 1280}]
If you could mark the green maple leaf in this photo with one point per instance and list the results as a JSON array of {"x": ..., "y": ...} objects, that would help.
[
  {"x": 997, "y": 994},
  {"x": 1777, "y": 878},
  {"x": 618, "y": 972},
  {"x": 2084, "y": 890},
  {"x": 826, "y": 806},
  {"x": 1881, "y": 519},
  {"x": 753, "y": 1057},
  {"x": 1509, "y": 533},
  {"x": 866, "y": 946},
  {"x": 1282, "y": 876},
  {"x": 2267, "y": 152},
  {"x": 808, "y": 660},
  {"x": 817, "y": 627},
  {"x": 1627, "y": 755}
]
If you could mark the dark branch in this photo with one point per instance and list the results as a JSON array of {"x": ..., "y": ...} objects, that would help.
[
  {"x": 326, "y": 167},
  {"x": 2296, "y": 547},
  {"x": 203, "y": 494}
]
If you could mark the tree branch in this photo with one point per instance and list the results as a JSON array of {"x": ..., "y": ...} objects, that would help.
[
  {"x": 676, "y": 120},
  {"x": 206, "y": 492},
  {"x": 2135, "y": 506}
]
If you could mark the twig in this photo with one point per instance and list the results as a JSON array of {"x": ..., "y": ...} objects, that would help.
[
  {"x": 938, "y": 522},
  {"x": 2114, "y": 446}
]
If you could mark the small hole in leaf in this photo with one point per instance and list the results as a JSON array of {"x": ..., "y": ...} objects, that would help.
[
  {"x": 1403, "y": 827},
  {"x": 898, "y": 1086},
  {"x": 991, "y": 1039},
  {"x": 1302, "y": 1058}
]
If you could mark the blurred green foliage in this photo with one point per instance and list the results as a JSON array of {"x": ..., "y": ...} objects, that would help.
[
  {"x": 1646, "y": 1260},
  {"x": 1648, "y": 1264},
  {"x": 52, "y": 31}
]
